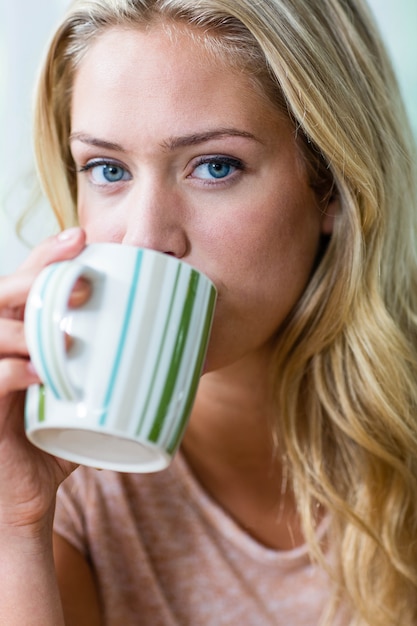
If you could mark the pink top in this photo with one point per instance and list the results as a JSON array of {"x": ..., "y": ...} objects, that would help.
[{"x": 165, "y": 554}]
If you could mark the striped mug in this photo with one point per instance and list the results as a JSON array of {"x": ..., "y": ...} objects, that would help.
[{"x": 120, "y": 396}]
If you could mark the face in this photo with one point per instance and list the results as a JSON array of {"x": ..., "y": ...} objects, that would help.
[{"x": 180, "y": 153}]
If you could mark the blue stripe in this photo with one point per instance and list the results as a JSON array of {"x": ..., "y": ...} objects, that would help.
[
  {"x": 123, "y": 336},
  {"x": 46, "y": 375}
]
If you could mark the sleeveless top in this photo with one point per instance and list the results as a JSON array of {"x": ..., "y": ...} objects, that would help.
[{"x": 165, "y": 554}]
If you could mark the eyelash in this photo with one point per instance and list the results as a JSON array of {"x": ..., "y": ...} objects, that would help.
[
  {"x": 221, "y": 160},
  {"x": 95, "y": 163},
  {"x": 237, "y": 164}
]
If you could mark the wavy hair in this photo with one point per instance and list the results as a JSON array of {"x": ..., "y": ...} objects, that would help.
[{"x": 345, "y": 372}]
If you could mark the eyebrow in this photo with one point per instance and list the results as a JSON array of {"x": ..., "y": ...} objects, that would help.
[
  {"x": 171, "y": 143},
  {"x": 96, "y": 142},
  {"x": 195, "y": 138}
]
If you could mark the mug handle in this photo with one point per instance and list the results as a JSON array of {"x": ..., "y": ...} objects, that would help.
[{"x": 44, "y": 324}]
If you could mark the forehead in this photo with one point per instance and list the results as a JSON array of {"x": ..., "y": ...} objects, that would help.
[
  {"x": 176, "y": 37},
  {"x": 157, "y": 54},
  {"x": 163, "y": 72}
]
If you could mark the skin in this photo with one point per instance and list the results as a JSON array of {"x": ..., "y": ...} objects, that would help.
[
  {"x": 179, "y": 153},
  {"x": 168, "y": 202}
]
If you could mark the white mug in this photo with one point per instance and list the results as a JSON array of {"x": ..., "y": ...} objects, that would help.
[{"x": 120, "y": 397}]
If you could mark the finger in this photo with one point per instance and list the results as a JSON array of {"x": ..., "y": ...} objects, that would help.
[
  {"x": 80, "y": 292},
  {"x": 16, "y": 375},
  {"x": 12, "y": 338},
  {"x": 66, "y": 245}
]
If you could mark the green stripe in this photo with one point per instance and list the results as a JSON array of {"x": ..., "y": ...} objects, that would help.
[
  {"x": 182, "y": 422},
  {"x": 41, "y": 404},
  {"x": 176, "y": 356},
  {"x": 161, "y": 346}
]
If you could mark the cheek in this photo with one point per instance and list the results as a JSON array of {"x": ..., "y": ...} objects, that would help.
[
  {"x": 264, "y": 260},
  {"x": 99, "y": 225},
  {"x": 278, "y": 238}
]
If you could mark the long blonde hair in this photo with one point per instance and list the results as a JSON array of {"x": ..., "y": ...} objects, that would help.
[{"x": 346, "y": 361}]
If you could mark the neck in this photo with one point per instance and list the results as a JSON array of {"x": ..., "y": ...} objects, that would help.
[
  {"x": 230, "y": 448},
  {"x": 233, "y": 411}
]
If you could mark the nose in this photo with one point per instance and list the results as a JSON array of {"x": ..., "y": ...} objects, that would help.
[{"x": 156, "y": 219}]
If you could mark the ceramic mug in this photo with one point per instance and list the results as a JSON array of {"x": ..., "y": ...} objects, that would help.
[{"x": 120, "y": 396}]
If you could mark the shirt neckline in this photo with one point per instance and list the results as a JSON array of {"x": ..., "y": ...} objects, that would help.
[{"x": 226, "y": 526}]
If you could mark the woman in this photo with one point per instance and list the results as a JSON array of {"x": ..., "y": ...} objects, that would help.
[{"x": 266, "y": 144}]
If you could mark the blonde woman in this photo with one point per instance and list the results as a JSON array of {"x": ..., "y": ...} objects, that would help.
[{"x": 265, "y": 143}]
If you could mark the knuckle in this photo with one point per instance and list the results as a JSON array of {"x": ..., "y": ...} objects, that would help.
[
  {"x": 12, "y": 337},
  {"x": 12, "y": 377},
  {"x": 6, "y": 376}
]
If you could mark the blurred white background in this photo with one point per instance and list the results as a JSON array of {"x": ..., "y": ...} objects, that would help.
[
  {"x": 25, "y": 27},
  {"x": 24, "y": 31}
]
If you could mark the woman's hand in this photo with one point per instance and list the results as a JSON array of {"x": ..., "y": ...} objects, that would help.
[{"x": 29, "y": 477}]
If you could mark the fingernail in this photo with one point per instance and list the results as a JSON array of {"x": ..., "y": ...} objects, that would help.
[{"x": 68, "y": 234}]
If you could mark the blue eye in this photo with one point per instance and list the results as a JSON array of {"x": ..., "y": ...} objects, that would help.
[
  {"x": 216, "y": 168},
  {"x": 112, "y": 173},
  {"x": 104, "y": 172}
]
